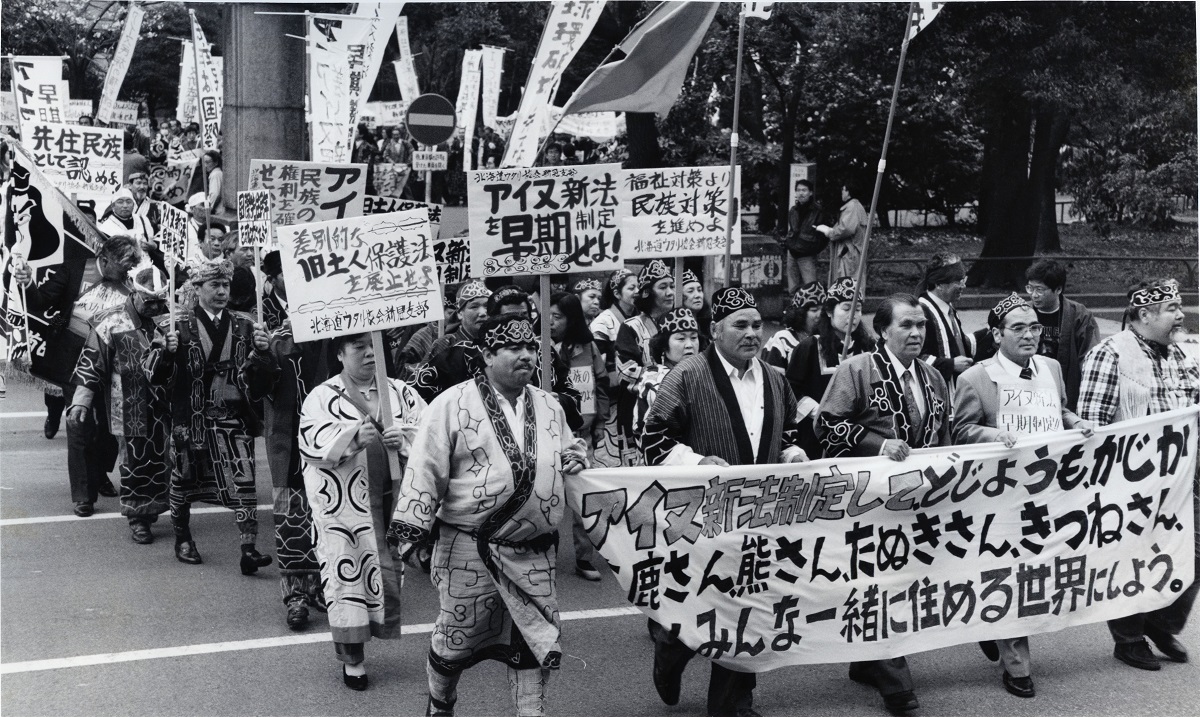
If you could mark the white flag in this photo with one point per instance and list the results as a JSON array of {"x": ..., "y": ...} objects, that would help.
[
  {"x": 493, "y": 69},
  {"x": 385, "y": 15},
  {"x": 210, "y": 95},
  {"x": 119, "y": 65},
  {"x": 922, "y": 14},
  {"x": 345, "y": 38},
  {"x": 468, "y": 99},
  {"x": 406, "y": 71},
  {"x": 761, "y": 10}
]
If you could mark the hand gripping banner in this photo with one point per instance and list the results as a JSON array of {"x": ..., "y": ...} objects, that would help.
[{"x": 759, "y": 567}]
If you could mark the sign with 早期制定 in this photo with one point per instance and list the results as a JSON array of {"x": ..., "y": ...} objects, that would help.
[
  {"x": 368, "y": 273},
  {"x": 848, "y": 559},
  {"x": 254, "y": 219},
  {"x": 545, "y": 220},
  {"x": 429, "y": 161},
  {"x": 77, "y": 158},
  {"x": 678, "y": 212},
  {"x": 304, "y": 192}
]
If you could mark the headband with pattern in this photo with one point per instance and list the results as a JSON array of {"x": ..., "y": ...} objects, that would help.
[
  {"x": 202, "y": 271},
  {"x": 811, "y": 294},
  {"x": 587, "y": 285},
  {"x": 149, "y": 280},
  {"x": 617, "y": 278},
  {"x": 656, "y": 270},
  {"x": 678, "y": 320},
  {"x": 729, "y": 300},
  {"x": 1007, "y": 305},
  {"x": 689, "y": 277},
  {"x": 842, "y": 289},
  {"x": 470, "y": 291},
  {"x": 514, "y": 331},
  {"x": 1161, "y": 294}
]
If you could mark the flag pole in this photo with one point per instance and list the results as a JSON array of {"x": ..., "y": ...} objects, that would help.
[
  {"x": 860, "y": 273},
  {"x": 733, "y": 150},
  {"x": 200, "y": 111}
]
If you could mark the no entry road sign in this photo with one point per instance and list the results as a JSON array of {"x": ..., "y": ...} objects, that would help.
[{"x": 431, "y": 119}]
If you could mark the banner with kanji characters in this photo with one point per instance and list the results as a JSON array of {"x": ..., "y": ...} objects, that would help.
[
  {"x": 8, "y": 110},
  {"x": 119, "y": 64},
  {"x": 567, "y": 27},
  {"x": 336, "y": 90},
  {"x": 185, "y": 109},
  {"x": 77, "y": 109},
  {"x": 548, "y": 220},
  {"x": 39, "y": 91},
  {"x": 254, "y": 219},
  {"x": 468, "y": 101},
  {"x": 451, "y": 253},
  {"x": 839, "y": 560},
  {"x": 210, "y": 93},
  {"x": 406, "y": 69},
  {"x": 387, "y": 114},
  {"x": 77, "y": 158},
  {"x": 303, "y": 192},
  {"x": 493, "y": 70},
  {"x": 678, "y": 212},
  {"x": 383, "y": 16},
  {"x": 169, "y": 181},
  {"x": 364, "y": 274},
  {"x": 173, "y": 235}
]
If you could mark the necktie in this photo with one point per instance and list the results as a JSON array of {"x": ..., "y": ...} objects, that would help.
[
  {"x": 910, "y": 402},
  {"x": 1027, "y": 373},
  {"x": 956, "y": 331}
]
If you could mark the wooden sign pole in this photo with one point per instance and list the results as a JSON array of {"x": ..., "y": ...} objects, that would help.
[
  {"x": 544, "y": 311},
  {"x": 385, "y": 401},
  {"x": 258, "y": 284}
]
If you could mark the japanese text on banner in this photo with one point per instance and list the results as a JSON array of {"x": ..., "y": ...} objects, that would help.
[
  {"x": 547, "y": 220},
  {"x": 356, "y": 275},
  {"x": 678, "y": 212},
  {"x": 210, "y": 94},
  {"x": 304, "y": 192},
  {"x": 867, "y": 558},
  {"x": 169, "y": 182},
  {"x": 38, "y": 89},
  {"x": 173, "y": 233},
  {"x": 450, "y": 253},
  {"x": 77, "y": 158},
  {"x": 119, "y": 65},
  {"x": 406, "y": 70},
  {"x": 254, "y": 219}
]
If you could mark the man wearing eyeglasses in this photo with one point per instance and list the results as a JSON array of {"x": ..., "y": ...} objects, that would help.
[
  {"x": 1014, "y": 393},
  {"x": 1069, "y": 329}
]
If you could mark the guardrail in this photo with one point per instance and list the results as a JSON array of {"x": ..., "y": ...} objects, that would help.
[{"x": 1189, "y": 263}]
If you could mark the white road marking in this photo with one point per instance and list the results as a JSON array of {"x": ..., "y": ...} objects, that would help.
[
  {"x": 23, "y": 414},
  {"x": 159, "y": 653},
  {"x": 98, "y": 516}
]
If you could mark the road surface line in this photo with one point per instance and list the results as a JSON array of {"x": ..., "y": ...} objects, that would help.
[
  {"x": 98, "y": 516},
  {"x": 158, "y": 653},
  {"x": 23, "y": 414}
]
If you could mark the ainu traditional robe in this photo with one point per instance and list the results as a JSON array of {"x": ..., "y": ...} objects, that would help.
[
  {"x": 351, "y": 492},
  {"x": 496, "y": 509}
]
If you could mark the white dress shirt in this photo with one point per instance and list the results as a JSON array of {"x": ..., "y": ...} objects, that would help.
[
  {"x": 515, "y": 415},
  {"x": 1013, "y": 369},
  {"x": 947, "y": 311}
]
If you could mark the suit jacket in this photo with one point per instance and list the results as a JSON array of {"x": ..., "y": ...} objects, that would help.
[
  {"x": 976, "y": 399},
  {"x": 1079, "y": 335},
  {"x": 941, "y": 347},
  {"x": 864, "y": 406}
]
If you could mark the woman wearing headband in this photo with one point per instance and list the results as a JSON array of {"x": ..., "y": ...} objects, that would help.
[{"x": 800, "y": 319}]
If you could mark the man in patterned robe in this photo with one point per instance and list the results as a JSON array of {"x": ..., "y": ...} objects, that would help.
[
  {"x": 887, "y": 402},
  {"x": 485, "y": 481},
  {"x": 139, "y": 412}
]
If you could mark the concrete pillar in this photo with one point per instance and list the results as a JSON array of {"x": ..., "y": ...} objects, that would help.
[{"x": 264, "y": 90}]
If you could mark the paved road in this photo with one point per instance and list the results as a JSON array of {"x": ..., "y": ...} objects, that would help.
[{"x": 94, "y": 625}]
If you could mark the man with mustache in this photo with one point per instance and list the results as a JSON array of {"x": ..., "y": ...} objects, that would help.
[
  {"x": 948, "y": 348},
  {"x": 886, "y": 403},
  {"x": 1138, "y": 372},
  {"x": 1014, "y": 393},
  {"x": 722, "y": 407},
  {"x": 487, "y": 467}
]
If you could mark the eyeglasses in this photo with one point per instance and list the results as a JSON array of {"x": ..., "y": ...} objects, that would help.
[
  {"x": 1032, "y": 329},
  {"x": 1029, "y": 289}
]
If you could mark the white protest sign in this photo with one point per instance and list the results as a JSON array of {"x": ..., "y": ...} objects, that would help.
[
  {"x": 467, "y": 105},
  {"x": 210, "y": 94},
  {"x": 548, "y": 220},
  {"x": 677, "y": 212},
  {"x": 356, "y": 275},
  {"x": 38, "y": 89},
  {"x": 8, "y": 110},
  {"x": 451, "y": 253},
  {"x": 77, "y": 109},
  {"x": 851, "y": 559},
  {"x": 1026, "y": 406},
  {"x": 173, "y": 235},
  {"x": 493, "y": 70},
  {"x": 345, "y": 37},
  {"x": 77, "y": 158},
  {"x": 169, "y": 182},
  {"x": 599, "y": 126},
  {"x": 185, "y": 110},
  {"x": 119, "y": 64},
  {"x": 124, "y": 113},
  {"x": 406, "y": 71},
  {"x": 583, "y": 378},
  {"x": 329, "y": 103},
  {"x": 254, "y": 218},
  {"x": 384, "y": 15},
  {"x": 303, "y": 192},
  {"x": 429, "y": 161},
  {"x": 390, "y": 178},
  {"x": 567, "y": 27},
  {"x": 386, "y": 205}
]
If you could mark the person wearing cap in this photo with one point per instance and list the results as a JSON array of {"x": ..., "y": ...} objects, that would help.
[
  {"x": 214, "y": 420},
  {"x": 616, "y": 306},
  {"x": 722, "y": 407},
  {"x": 122, "y": 217},
  {"x": 800, "y": 318},
  {"x": 434, "y": 375},
  {"x": 1015, "y": 393},
  {"x": 678, "y": 338},
  {"x": 817, "y": 355},
  {"x": 655, "y": 299},
  {"x": 487, "y": 465},
  {"x": 138, "y": 411},
  {"x": 138, "y": 183},
  {"x": 344, "y": 446},
  {"x": 692, "y": 298},
  {"x": 589, "y": 293},
  {"x": 887, "y": 402},
  {"x": 948, "y": 348},
  {"x": 1138, "y": 372}
]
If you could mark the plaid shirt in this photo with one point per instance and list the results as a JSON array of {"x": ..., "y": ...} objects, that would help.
[{"x": 1177, "y": 381}]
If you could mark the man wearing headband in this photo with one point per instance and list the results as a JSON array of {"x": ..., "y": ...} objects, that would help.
[
  {"x": 887, "y": 402},
  {"x": 948, "y": 348},
  {"x": 487, "y": 464},
  {"x": 1138, "y": 372},
  {"x": 436, "y": 374},
  {"x": 1015, "y": 393},
  {"x": 214, "y": 420},
  {"x": 139, "y": 185},
  {"x": 139, "y": 412},
  {"x": 722, "y": 407},
  {"x": 1070, "y": 329},
  {"x": 122, "y": 217}
]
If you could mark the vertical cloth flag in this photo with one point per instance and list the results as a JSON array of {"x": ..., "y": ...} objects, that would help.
[
  {"x": 468, "y": 100},
  {"x": 38, "y": 88},
  {"x": 337, "y": 50},
  {"x": 567, "y": 26},
  {"x": 185, "y": 109},
  {"x": 385, "y": 15},
  {"x": 210, "y": 95},
  {"x": 657, "y": 53},
  {"x": 760, "y": 10},
  {"x": 406, "y": 71},
  {"x": 119, "y": 65},
  {"x": 493, "y": 69},
  {"x": 923, "y": 13}
]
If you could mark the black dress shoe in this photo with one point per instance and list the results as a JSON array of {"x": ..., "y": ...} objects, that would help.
[
  {"x": 1019, "y": 686},
  {"x": 357, "y": 683},
  {"x": 84, "y": 509},
  {"x": 667, "y": 679},
  {"x": 50, "y": 427},
  {"x": 252, "y": 560},
  {"x": 186, "y": 552},
  {"x": 435, "y": 708},
  {"x": 297, "y": 616},
  {"x": 1168, "y": 645},
  {"x": 140, "y": 532},
  {"x": 107, "y": 489},
  {"x": 990, "y": 650},
  {"x": 901, "y": 702},
  {"x": 1137, "y": 654}
]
